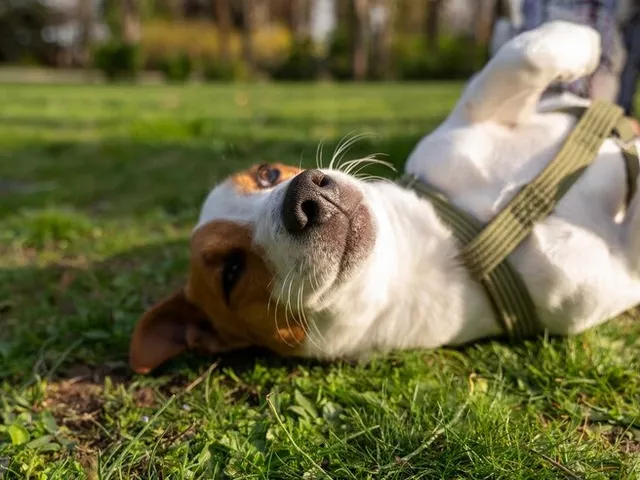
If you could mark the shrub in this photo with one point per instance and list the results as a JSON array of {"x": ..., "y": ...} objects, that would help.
[
  {"x": 339, "y": 55},
  {"x": 271, "y": 46},
  {"x": 118, "y": 60},
  {"x": 199, "y": 40},
  {"x": 455, "y": 58},
  {"x": 301, "y": 64},
  {"x": 218, "y": 70},
  {"x": 163, "y": 40},
  {"x": 177, "y": 68}
]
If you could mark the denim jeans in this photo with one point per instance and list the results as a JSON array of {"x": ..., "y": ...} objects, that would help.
[{"x": 629, "y": 75}]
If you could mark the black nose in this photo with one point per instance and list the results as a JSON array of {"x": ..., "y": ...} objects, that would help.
[{"x": 309, "y": 201}]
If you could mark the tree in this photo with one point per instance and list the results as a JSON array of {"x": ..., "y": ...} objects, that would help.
[
  {"x": 359, "y": 39},
  {"x": 485, "y": 13},
  {"x": 222, "y": 12},
  {"x": 248, "y": 21},
  {"x": 299, "y": 13},
  {"x": 130, "y": 21},
  {"x": 85, "y": 18},
  {"x": 434, "y": 8},
  {"x": 174, "y": 8},
  {"x": 382, "y": 20}
]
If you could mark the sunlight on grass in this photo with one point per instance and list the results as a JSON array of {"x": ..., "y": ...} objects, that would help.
[{"x": 99, "y": 189}]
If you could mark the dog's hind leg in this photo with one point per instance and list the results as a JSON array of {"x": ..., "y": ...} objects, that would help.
[{"x": 508, "y": 88}]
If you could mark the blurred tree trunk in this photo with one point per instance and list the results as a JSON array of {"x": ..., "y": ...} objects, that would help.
[
  {"x": 130, "y": 21},
  {"x": 175, "y": 8},
  {"x": 222, "y": 11},
  {"x": 359, "y": 40},
  {"x": 383, "y": 15},
  {"x": 248, "y": 25},
  {"x": 299, "y": 16},
  {"x": 434, "y": 8},
  {"x": 85, "y": 17},
  {"x": 261, "y": 13},
  {"x": 484, "y": 15}
]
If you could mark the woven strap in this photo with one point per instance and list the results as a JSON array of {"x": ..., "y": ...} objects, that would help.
[
  {"x": 627, "y": 143},
  {"x": 506, "y": 290},
  {"x": 537, "y": 199},
  {"x": 485, "y": 248},
  {"x": 626, "y": 136}
]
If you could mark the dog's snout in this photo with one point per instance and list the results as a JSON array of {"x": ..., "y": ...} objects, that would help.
[{"x": 309, "y": 201}]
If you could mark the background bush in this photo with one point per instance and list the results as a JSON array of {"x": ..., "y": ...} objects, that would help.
[
  {"x": 117, "y": 60},
  {"x": 178, "y": 49},
  {"x": 339, "y": 55},
  {"x": 177, "y": 68},
  {"x": 220, "y": 71},
  {"x": 454, "y": 58},
  {"x": 163, "y": 42},
  {"x": 302, "y": 64}
]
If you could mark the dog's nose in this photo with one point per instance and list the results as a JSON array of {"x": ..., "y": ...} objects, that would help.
[{"x": 310, "y": 200}]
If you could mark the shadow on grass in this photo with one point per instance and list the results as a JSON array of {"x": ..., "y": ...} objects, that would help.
[
  {"x": 75, "y": 321},
  {"x": 121, "y": 178}
]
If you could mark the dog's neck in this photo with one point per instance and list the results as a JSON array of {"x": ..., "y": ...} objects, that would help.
[{"x": 413, "y": 292}]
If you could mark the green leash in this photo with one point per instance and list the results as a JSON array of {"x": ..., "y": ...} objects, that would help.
[{"x": 485, "y": 248}]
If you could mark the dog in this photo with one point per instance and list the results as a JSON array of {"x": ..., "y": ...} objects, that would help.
[{"x": 318, "y": 263}]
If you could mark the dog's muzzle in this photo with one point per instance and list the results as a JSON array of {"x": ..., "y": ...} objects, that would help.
[{"x": 313, "y": 198}]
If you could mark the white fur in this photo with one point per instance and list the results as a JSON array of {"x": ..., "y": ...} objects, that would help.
[{"x": 580, "y": 264}]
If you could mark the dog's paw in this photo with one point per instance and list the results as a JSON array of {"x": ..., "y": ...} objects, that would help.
[{"x": 562, "y": 51}]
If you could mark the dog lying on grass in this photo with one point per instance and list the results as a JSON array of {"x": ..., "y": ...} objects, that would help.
[{"x": 318, "y": 263}]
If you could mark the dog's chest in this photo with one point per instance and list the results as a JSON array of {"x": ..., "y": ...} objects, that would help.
[{"x": 481, "y": 167}]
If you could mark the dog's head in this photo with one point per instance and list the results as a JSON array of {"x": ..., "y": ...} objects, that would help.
[{"x": 272, "y": 244}]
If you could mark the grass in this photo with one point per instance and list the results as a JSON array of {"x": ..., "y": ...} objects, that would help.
[{"x": 99, "y": 187}]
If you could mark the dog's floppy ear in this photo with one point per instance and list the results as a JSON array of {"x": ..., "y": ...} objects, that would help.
[{"x": 167, "y": 329}]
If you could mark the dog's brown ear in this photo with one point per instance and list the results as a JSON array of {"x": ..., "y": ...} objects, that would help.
[{"x": 167, "y": 329}]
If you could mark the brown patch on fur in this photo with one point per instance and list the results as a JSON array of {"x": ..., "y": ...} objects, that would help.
[
  {"x": 247, "y": 320},
  {"x": 247, "y": 181},
  {"x": 198, "y": 316}
]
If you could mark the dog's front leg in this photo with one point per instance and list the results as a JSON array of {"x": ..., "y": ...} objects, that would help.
[{"x": 508, "y": 88}]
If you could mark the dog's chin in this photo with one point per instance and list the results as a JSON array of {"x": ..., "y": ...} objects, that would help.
[
  {"x": 348, "y": 247},
  {"x": 313, "y": 268},
  {"x": 335, "y": 255}
]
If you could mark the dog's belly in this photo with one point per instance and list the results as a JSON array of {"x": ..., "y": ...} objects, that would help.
[
  {"x": 576, "y": 277},
  {"x": 572, "y": 262}
]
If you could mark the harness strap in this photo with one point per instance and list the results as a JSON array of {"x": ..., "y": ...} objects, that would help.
[
  {"x": 626, "y": 140},
  {"x": 485, "y": 248},
  {"x": 627, "y": 143},
  {"x": 538, "y": 198},
  {"x": 506, "y": 290}
]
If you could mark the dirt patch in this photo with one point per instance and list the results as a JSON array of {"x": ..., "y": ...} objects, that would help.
[
  {"x": 78, "y": 406},
  {"x": 626, "y": 441},
  {"x": 145, "y": 397},
  {"x": 76, "y": 399}
]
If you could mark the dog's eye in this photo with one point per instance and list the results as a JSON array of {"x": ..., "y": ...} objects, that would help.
[
  {"x": 267, "y": 176},
  {"x": 232, "y": 270}
]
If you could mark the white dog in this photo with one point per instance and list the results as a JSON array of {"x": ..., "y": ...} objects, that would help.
[{"x": 317, "y": 263}]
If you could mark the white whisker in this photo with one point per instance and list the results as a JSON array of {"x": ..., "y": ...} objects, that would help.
[
  {"x": 343, "y": 148},
  {"x": 286, "y": 313},
  {"x": 369, "y": 178},
  {"x": 319, "y": 152},
  {"x": 362, "y": 163}
]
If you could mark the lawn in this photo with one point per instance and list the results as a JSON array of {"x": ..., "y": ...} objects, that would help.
[{"x": 99, "y": 188}]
